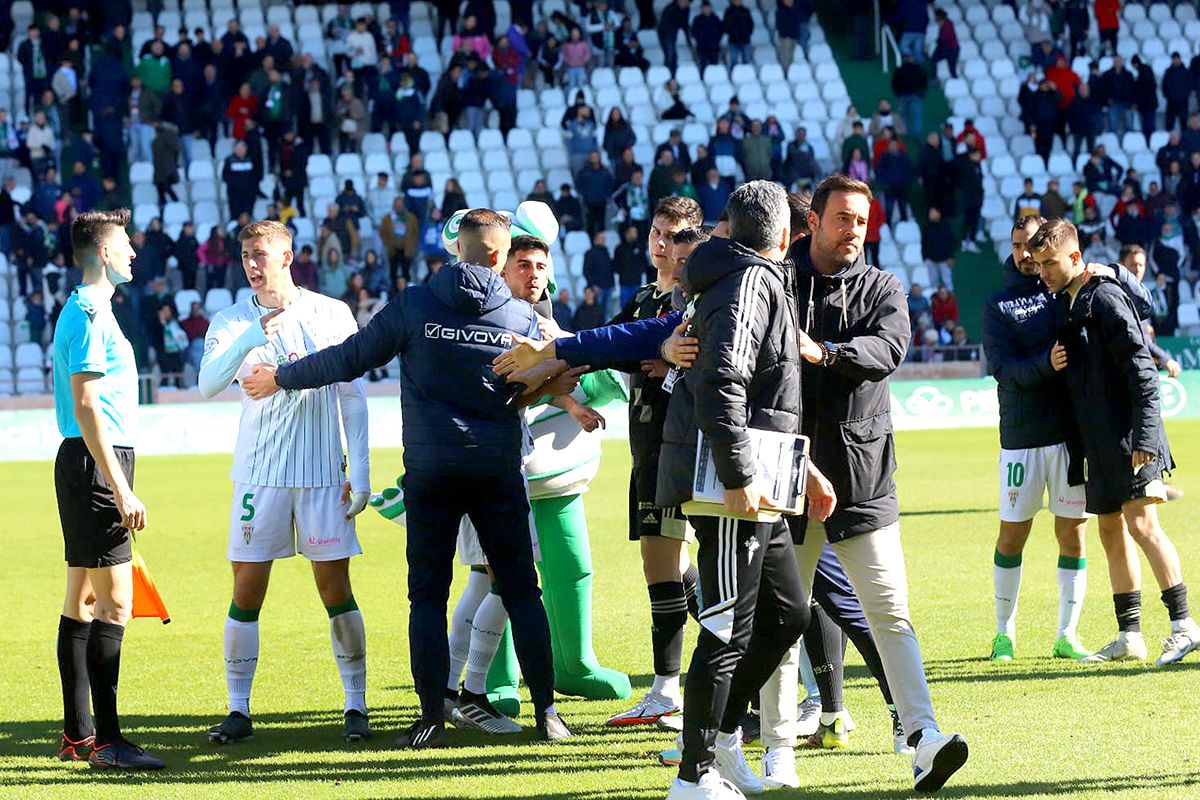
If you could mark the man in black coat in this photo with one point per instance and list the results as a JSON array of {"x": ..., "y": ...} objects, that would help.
[
  {"x": 673, "y": 20},
  {"x": 1114, "y": 393},
  {"x": 241, "y": 183},
  {"x": 1177, "y": 87},
  {"x": 854, "y": 333}
]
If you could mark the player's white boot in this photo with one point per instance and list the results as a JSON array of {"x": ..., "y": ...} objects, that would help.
[
  {"x": 730, "y": 761},
  {"x": 808, "y": 717},
  {"x": 650, "y": 710},
  {"x": 1179, "y": 644},
  {"x": 711, "y": 786},
  {"x": 1128, "y": 646},
  {"x": 939, "y": 755},
  {"x": 779, "y": 768}
]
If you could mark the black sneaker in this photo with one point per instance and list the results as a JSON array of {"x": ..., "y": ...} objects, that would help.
[
  {"x": 234, "y": 728},
  {"x": 551, "y": 728},
  {"x": 71, "y": 750},
  {"x": 474, "y": 711},
  {"x": 423, "y": 735},
  {"x": 122, "y": 754},
  {"x": 751, "y": 725},
  {"x": 356, "y": 727}
]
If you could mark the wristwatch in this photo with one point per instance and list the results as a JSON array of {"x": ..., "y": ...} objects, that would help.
[{"x": 829, "y": 353}]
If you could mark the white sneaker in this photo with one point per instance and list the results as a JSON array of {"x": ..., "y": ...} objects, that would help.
[
  {"x": 648, "y": 711},
  {"x": 711, "y": 786},
  {"x": 900, "y": 745},
  {"x": 1178, "y": 645},
  {"x": 671, "y": 722},
  {"x": 730, "y": 762},
  {"x": 938, "y": 756},
  {"x": 808, "y": 717},
  {"x": 779, "y": 768},
  {"x": 1126, "y": 647}
]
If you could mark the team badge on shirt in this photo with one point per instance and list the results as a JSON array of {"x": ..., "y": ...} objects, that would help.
[
  {"x": 247, "y": 531},
  {"x": 1012, "y": 497}
]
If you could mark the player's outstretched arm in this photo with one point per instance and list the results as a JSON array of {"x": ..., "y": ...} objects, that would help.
[
  {"x": 224, "y": 352},
  {"x": 621, "y": 346},
  {"x": 372, "y": 347}
]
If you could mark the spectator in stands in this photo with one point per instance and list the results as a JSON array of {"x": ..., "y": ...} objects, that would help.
[
  {"x": 970, "y": 137},
  {"x": 541, "y": 193},
  {"x": 589, "y": 314},
  {"x": 333, "y": 274},
  {"x": 909, "y": 83},
  {"x": 738, "y": 122},
  {"x": 739, "y": 27},
  {"x": 633, "y": 200},
  {"x": 943, "y": 307},
  {"x": 277, "y": 114},
  {"x": 754, "y": 153},
  {"x": 792, "y": 19},
  {"x": 1082, "y": 117},
  {"x": 576, "y": 55},
  {"x": 800, "y": 168},
  {"x": 1177, "y": 88},
  {"x": 1173, "y": 150},
  {"x": 568, "y": 209},
  {"x": 399, "y": 231},
  {"x": 625, "y": 166},
  {"x": 595, "y": 183},
  {"x": 242, "y": 107},
  {"x": 1054, "y": 205},
  {"x": 1102, "y": 174},
  {"x": 362, "y": 50},
  {"x": 963, "y": 348},
  {"x": 187, "y": 261},
  {"x": 35, "y": 316},
  {"x": 304, "y": 269},
  {"x": 581, "y": 137},
  {"x": 1191, "y": 135},
  {"x": 618, "y": 135},
  {"x": 681, "y": 186},
  {"x": 241, "y": 184},
  {"x": 714, "y": 194},
  {"x": 563, "y": 313},
  {"x": 196, "y": 328},
  {"x": 630, "y": 262},
  {"x": 895, "y": 176},
  {"x": 350, "y": 205},
  {"x": 1146, "y": 92},
  {"x": 598, "y": 269},
  {"x": 84, "y": 188},
  {"x": 171, "y": 344},
  {"x": 165, "y": 150},
  {"x": 1120, "y": 95},
  {"x": 855, "y": 140},
  {"x": 351, "y": 116},
  {"x": 375, "y": 274},
  {"x": 1092, "y": 223},
  {"x": 969, "y": 176},
  {"x": 1125, "y": 202},
  {"x": 918, "y": 305},
  {"x": 34, "y": 59},
  {"x": 42, "y": 144},
  {"x": 214, "y": 258},
  {"x": 884, "y": 118},
  {"x": 1028, "y": 202},
  {"x": 1097, "y": 250},
  {"x": 1025, "y": 95},
  {"x": 661, "y": 177},
  {"x": 1108, "y": 23},
  {"x": 910, "y": 19},
  {"x": 858, "y": 167},
  {"x": 876, "y": 219},
  {"x": 1132, "y": 227},
  {"x": 679, "y": 150},
  {"x": 453, "y": 198},
  {"x": 671, "y": 23},
  {"x": 937, "y": 248},
  {"x": 707, "y": 32},
  {"x": 933, "y": 173},
  {"x": 1156, "y": 201},
  {"x": 947, "y": 48},
  {"x": 380, "y": 196},
  {"x": 629, "y": 49}
]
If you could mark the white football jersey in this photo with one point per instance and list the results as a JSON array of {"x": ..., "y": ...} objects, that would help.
[{"x": 293, "y": 438}]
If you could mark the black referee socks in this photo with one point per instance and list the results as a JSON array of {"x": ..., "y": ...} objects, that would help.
[
  {"x": 72, "y": 668},
  {"x": 104, "y": 671},
  {"x": 1129, "y": 611}
]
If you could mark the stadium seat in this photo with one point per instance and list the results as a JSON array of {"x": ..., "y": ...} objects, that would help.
[
  {"x": 217, "y": 299},
  {"x": 175, "y": 214},
  {"x": 183, "y": 301},
  {"x": 31, "y": 380},
  {"x": 906, "y": 232},
  {"x": 466, "y": 160},
  {"x": 29, "y": 355},
  {"x": 1188, "y": 317}
]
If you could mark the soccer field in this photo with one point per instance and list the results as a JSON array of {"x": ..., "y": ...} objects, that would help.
[{"x": 1037, "y": 727}]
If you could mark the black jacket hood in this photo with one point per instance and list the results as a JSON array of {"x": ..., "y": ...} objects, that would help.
[
  {"x": 469, "y": 288},
  {"x": 801, "y": 254},
  {"x": 716, "y": 258}
]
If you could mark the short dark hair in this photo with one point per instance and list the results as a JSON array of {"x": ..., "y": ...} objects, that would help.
[
  {"x": 479, "y": 218},
  {"x": 697, "y": 234},
  {"x": 528, "y": 243},
  {"x": 799, "y": 203},
  {"x": 1028, "y": 218},
  {"x": 679, "y": 210},
  {"x": 837, "y": 183},
  {"x": 1128, "y": 250},
  {"x": 1053, "y": 234},
  {"x": 89, "y": 229}
]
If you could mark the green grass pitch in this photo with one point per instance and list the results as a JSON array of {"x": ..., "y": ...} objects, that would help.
[{"x": 1037, "y": 727}]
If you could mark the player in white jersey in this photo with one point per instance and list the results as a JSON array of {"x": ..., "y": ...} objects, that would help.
[{"x": 291, "y": 491}]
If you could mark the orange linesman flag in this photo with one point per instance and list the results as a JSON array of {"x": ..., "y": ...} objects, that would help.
[{"x": 147, "y": 602}]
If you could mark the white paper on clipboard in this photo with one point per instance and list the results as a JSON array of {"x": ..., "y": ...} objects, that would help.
[{"x": 781, "y": 469}]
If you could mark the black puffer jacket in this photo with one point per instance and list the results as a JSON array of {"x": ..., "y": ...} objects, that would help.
[
  {"x": 862, "y": 313},
  {"x": 746, "y": 376}
]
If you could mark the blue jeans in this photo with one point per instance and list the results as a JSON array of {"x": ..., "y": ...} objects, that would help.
[
  {"x": 140, "y": 137},
  {"x": 576, "y": 77},
  {"x": 185, "y": 147},
  {"x": 1120, "y": 118},
  {"x": 912, "y": 109},
  {"x": 913, "y": 44},
  {"x": 739, "y": 54}
]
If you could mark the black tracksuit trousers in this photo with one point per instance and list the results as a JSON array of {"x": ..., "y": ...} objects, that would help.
[{"x": 754, "y": 610}]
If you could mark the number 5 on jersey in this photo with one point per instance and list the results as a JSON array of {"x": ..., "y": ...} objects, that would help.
[{"x": 249, "y": 515}]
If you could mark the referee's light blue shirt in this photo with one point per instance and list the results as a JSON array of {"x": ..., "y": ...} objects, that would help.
[{"x": 88, "y": 339}]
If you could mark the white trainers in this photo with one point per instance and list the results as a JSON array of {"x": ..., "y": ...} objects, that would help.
[
  {"x": 938, "y": 756},
  {"x": 808, "y": 717},
  {"x": 900, "y": 745},
  {"x": 711, "y": 786},
  {"x": 648, "y": 711},
  {"x": 730, "y": 762},
  {"x": 1126, "y": 647},
  {"x": 1178, "y": 645},
  {"x": 779, "y": 768}
]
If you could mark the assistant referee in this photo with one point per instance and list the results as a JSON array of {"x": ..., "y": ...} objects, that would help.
[{"x": 95, "y": 400}]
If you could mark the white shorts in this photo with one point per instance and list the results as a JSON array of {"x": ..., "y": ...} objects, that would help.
[
  {"x": 470, "y": 552},
  {"x": 1026, "y": 476},
  {"x": 271, "y": 522}
]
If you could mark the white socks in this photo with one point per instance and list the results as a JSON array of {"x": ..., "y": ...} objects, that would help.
[
  {"x": 241, "y": 659},
  {"x": 486, "y": 632},
  {"x": 1072, "y": 588},
  {"x": 1006, "y": 576},
  {"x": 349, "y": 639},
  {"x": 476, "y": 590},
  {"x": 1181, "y": 625},
  {"x": 667, "y": 686}
]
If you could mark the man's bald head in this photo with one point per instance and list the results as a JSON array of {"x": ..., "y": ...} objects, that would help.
[{"x": 484, "y": 238}]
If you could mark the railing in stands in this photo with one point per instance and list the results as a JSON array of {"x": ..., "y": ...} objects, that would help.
[{"x": 885, "y": 41}]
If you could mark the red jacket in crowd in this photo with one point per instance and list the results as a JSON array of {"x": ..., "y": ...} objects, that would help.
[{"x": 1107, "y": 14}]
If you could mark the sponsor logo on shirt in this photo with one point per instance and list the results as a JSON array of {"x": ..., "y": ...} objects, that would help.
[{"x": 496, "y": 338}]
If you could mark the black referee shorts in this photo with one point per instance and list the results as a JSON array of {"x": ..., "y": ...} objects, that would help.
[
  {"x": 91, "y": 524},
  {"x": 645, "y": 519}
]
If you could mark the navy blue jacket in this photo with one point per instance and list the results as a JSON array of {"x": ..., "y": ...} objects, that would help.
[
  {"x": 446, "y": 332},
  {"x": 1019, "y": 329},
  {"x": 613, "y": 346}
]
